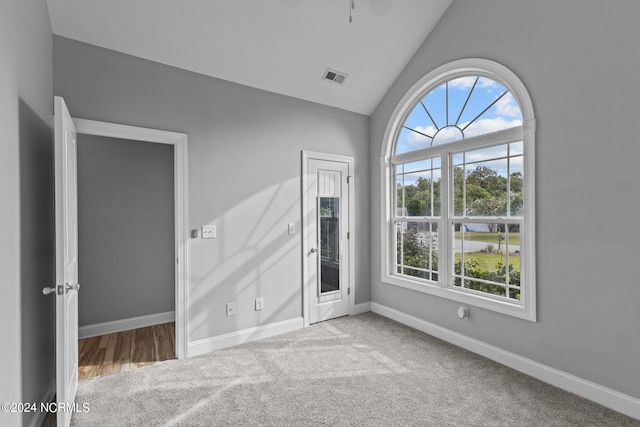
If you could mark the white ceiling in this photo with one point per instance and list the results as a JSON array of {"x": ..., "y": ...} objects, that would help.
[{"x": 281, "y": 46}]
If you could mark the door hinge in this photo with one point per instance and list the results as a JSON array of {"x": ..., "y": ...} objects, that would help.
[
  {"x": 348, "y": 234},
  {"x": 349, "y": 291},
  {"x": 349, "y": 179}
]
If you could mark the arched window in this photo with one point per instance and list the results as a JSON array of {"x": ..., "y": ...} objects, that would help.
[{"x": 458, "y": 177}]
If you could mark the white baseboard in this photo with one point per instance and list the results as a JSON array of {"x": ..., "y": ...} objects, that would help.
[
  {"x": 612, "y": 399},
  {"x": 219, "y": 342},
  {"x": 363, "y": 307},
  {"x": 125, "y": 324}
]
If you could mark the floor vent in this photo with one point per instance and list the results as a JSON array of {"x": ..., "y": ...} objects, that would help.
[{"x": 334, "y": 76}]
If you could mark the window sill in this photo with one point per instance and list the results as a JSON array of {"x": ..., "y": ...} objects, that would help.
[{"x": 520, "y": 310}]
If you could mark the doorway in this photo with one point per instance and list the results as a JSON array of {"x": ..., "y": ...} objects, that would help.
[
  {"x": 126, "y": 242},
  {"x": 180, "y": 226},
  {"x": 328, "y": 271}
]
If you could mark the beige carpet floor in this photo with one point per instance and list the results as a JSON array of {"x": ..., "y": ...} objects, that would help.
[{"x": 362, "y": 370}]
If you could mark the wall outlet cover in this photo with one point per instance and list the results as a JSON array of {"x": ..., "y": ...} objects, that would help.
[
  {"x": 208, "y": 231},
  {"x": 463, "y": 312}
]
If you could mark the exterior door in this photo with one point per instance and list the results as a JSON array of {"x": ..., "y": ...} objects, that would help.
[
  {"x": 66, "y": 286},
  {"x": 327, "y": 233}
]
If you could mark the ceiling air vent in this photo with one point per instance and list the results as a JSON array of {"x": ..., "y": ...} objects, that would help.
[{"x": 334, "y": 76}]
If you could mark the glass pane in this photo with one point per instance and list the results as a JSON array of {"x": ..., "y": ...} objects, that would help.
[
  {"x": 512, "y": 248},
  {"x": 329, "y": 244},
  {"x": 462, "y": 108},
  {"x": 411, "y": 141},
  {"x": 516, "y": 148},
  {"x": 482, "y": 96},
  {"x": 489, "y": 153},
  {"x": 516, "y": 186},
  {"x": 421, "y": 165},
  {"x": 417, "y": 249},
  {"x": 486, "y": 188},
  {"x": 458, "y": 190},
  {"x": 481, "y": 117},
  {"x": 481, "y": 252},
  {"x": 459, "y": 90},
  {"x": 448, "y": 134},
  {"x": 400, "y": 192},
  {"x": 420, "y": 188},
  {"x": 489, "y": 181},
  {"x": 436, "y": 103},
  {"x": 435, "y": 191}
]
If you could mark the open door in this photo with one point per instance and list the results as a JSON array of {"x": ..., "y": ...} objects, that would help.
[{"x": 66, "y": 286}]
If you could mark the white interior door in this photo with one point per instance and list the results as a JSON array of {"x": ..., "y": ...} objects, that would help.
[
  {"x": 327, "y": 234},
  {"x": 66, "y": 289}
]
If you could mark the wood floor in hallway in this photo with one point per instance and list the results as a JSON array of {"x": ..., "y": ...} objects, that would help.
[{"x": 124, "y": 351}]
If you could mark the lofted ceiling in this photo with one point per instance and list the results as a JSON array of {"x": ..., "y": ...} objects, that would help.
[{"x": 281, "y": 46}]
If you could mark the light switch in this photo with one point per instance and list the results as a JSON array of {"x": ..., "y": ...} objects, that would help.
[
  {"x": 292, "y": 228},
  {"x": 208, "y": 231}
]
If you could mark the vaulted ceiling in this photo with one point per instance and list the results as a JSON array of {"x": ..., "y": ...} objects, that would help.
[{"x": 282, "y": 46}]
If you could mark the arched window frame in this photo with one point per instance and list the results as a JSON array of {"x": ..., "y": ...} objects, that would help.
[{"x": 526, "y": 307}]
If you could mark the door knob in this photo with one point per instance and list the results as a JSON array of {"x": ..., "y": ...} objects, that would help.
[
  {"x": 47, "y": 291},
  {"x": 314, "y": 250}
]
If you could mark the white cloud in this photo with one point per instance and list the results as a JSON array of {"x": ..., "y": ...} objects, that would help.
[
  {"x": 483, "y": 126},
  {"x": 462, "y": 82},
  {"x": 419, "y": 141},
  {"x": 507, "y": 106},
  {"x": 467, "y": 83},
  {"x": 448, "y": 134}
]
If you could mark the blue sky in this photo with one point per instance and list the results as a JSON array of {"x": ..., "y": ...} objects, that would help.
[{"x": 504, "y": 114}]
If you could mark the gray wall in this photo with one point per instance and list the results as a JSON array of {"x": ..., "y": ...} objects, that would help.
[
  {"x": 244, "y": 174},
  {"x": 125, "y": 229},
  {"x": 26, "y": 211},
  {"x": 579, "y": 60}
]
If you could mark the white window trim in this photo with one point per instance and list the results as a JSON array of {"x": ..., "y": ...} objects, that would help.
[{"x": 526, "y": 308}]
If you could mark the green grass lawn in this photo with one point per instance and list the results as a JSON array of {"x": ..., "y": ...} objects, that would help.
[
  {"x": 514, "y": 238},
  {"x": 488, "y": 262}
]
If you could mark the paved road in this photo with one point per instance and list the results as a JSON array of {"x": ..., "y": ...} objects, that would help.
[
  {"x": 472, "y": 246},
  {"x": 469, "y": 245}
]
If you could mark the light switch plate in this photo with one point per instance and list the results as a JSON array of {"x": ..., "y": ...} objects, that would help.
[
  {"x": 208, "y": 231},
  {"x": 292, "y": 228},
  {"x": 231, "y": 309}
]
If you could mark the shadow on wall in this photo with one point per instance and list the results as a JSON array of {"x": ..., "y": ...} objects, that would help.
[
  {"x": 253, "y": 256},
  {"x": 37, "y": 256}
]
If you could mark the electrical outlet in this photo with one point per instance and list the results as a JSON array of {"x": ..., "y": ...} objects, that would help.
[
  {"x": 231, "y": 309},
  {"x": 463, "y": 312},
  {"x": 259, "y": 304},
  {"x": 208, "y": 231}
]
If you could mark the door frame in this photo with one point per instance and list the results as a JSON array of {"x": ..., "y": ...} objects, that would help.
[
  {"x": 181, "y": 218},
  {"x": 306, "y": 241}
]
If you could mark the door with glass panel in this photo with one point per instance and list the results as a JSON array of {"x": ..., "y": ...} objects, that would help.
[{"x": 327, "y": 233}]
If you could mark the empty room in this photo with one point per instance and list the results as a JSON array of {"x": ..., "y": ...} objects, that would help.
[{"x": 300, "y": 212}]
